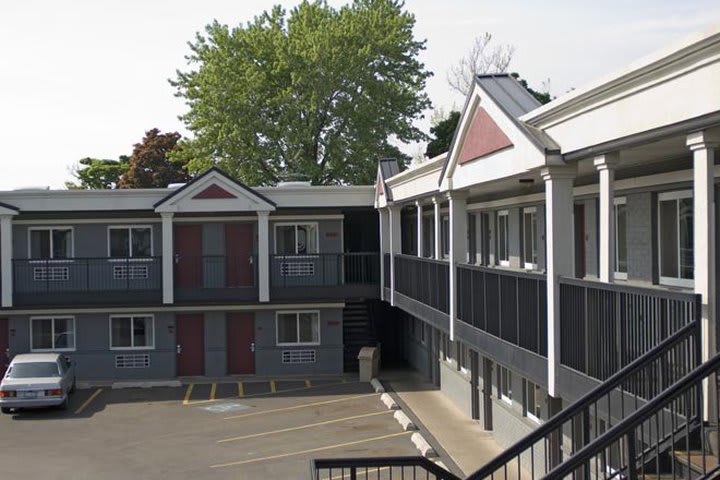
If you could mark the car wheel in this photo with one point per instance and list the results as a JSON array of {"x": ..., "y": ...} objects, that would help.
[
  {"x": 6, "y": 410},
  {"x": 64, "y": 405}
]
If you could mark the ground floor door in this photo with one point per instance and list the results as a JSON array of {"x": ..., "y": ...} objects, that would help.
[
  {"x": 241, "y": 343},
  {"x": 4, "y": 346},
  {"x": 190, "y": 338}
]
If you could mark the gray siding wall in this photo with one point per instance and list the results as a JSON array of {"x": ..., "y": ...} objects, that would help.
[
  {"x": 456, "y": 386},
  {"x": 541, "y": 252},
  {"x": 215, "y": 344},
  {"x": 591, "y": 238},
  {"x": 640, "y": 237}
]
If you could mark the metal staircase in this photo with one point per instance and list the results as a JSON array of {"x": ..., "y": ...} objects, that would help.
[{"x": 358, "y": 332}]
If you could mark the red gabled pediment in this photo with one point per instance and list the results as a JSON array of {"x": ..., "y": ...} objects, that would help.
[
  {"x": 213, "y": 192},
  {"x": 483, "y": 138}
]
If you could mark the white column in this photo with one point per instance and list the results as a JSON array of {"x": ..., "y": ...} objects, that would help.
[
  {"x": 703, "y": 147},
  {"x": 263, "y": 257},
  {"x": 168, "y": 258},
  {"x": 383, "y": 216},
  {"x": 419, "y": 207},
  {"x": 438, "y": 228},
  {"x": 458, "y": 248},
  {"x": 6, "y": 260},
  {"x": 395, "y": 246},
  {"x": 605, "y": 164},
  {"x": 560, "y": 253}
]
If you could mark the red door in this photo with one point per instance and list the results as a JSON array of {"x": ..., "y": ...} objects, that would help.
[
  {"x": 191, "y": 345},
  {"x": 240, "y": 339},
  {"x": 188, "y": 252},
  {"x": 4, "y": 344},
  {"x": 239, "y": 249}
]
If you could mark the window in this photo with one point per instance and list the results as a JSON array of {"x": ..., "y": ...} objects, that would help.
[
  {"x": 51, "y": 243},
  {"x": 531, "y": 407},
  {"x": 445, "y": 234},
  {"x": 503, "y": 239},
  {"x": 127, "y": 242},
  {"x": 428, "y": 237},
  {"x": 504, "y": 384},
  {"x": 298, "y": 328},
  {"x": 52, "y": 334},
  {"x": 463, "y": 353},
  {"x": 675, "y": 230},
  {"x": 129, "y": 332},
  {"x": 423, "y": 332},
  {"x": 296, "y": 239},
  {"x": 621, "y": 238},
  {"x": 530, "y": 238}
]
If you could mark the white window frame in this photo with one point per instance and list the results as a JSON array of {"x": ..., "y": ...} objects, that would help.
[
  {"x": 672, "y": 281},
  {"x": 530, "y": 409},
  {"x": 131, "y": 316},
  {"x": 464, "y": 355},
  {"x": 130, "y": 228},
  {"x": 506, "y": 240},
  {"x": 501, "y": 393},
  {"x": 618, "y": 201},
  {"x": 296, "y": 224},
  {"x": 534, "y": 248},
  {"x": 50, "y": 229},
  {"x": 53, "y": 318},
  {"x": 297, "y": 326}
]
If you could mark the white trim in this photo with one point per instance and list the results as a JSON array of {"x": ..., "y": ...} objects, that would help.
[
  {"x": 180, "y": 308},
  {"x": 534, "y": 246},
  {"x": 297, "y": 326},
  {"x": 130, "y": 228},
  {"x": 52, "y": 319},
  {"x": 502, "y": 395},
  {"x": 243, "y": 218},
  {"x": 618, "y": 201},
  {"x": 305, "y": 218},
  {"x": 82, "y": 221},
  {"x": 506, "y": 214},
  {"x": 296, "y": 224},
  {"x": 530, "y": 412},
  {"x": 50, "y": 229},
  {"x": 674, "y": 195},
  {"x": 132, "y": 327}
]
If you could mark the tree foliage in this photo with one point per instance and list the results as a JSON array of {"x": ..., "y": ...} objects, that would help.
[
  {"x": 150, "y": 165},
  {"x": 483, "y": 57},
  {"x": 319, "y": 93},
  {"x": 442, "y": 134},
  {"x": 95, "y": 173},
  {"x": 543, "y": 96}
]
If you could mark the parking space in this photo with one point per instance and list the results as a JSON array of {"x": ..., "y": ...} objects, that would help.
[{"x": 238, "y": 429}]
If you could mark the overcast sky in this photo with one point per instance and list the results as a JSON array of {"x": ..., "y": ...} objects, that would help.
[{"x": 88, "y": 77}]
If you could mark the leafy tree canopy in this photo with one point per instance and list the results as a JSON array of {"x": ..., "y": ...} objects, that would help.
[
  {"x": 543, "y": 96},
  {"x": 150, "y": 166},
  {"x": 442, "y": 134},
  {"x": 319, "y": 93},
  {"x": 95, "y": 173}
]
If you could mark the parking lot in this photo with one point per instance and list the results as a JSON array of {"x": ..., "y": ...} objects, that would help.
[{"x": 239, "y": 429}]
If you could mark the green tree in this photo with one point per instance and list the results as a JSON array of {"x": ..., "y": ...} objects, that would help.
[
  {"x": 319, "y": 93},
  {"x": 543, "y": 96},
  {"x": 150, "y": 165},
  {"x": 442, "y": 134},
  {"x": 95, "y": 173}
]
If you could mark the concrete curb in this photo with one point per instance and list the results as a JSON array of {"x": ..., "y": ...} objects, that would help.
[
  {"x": 389, "y": 402},
  {"x": 161, "y": 383},
  {"x": 404, "y": 421},
  {"x": 423, "y": 446},
  {"x": 377, "y": 385}
]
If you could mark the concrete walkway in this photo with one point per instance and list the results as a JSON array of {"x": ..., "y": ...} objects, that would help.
[{"x": 464, "y": 440}]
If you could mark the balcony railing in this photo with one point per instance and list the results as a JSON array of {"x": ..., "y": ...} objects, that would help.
[
  {"x": 48, "y": 282},
  {"x": 215, "y": 278},
  {"x": 604, "y": 327},
  {"x": 424, "y": 280},
  {"x": 506, "y": 304}
]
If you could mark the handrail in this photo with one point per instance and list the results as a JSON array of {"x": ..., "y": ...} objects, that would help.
[
  {"x": 504, "y": 271},
  {"x": 380, "y": 462},
  {"x": 421, "y": 259},
  {"x": 653, "y": 406},
  {"x": 558, "y": 420},
  {"x": 632, "y": 289}
]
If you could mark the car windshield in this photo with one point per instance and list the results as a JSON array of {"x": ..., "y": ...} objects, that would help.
[{"x": 35, "y": 369}]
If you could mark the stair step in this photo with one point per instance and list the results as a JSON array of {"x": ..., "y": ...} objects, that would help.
[{"x": 696, "y": 460}]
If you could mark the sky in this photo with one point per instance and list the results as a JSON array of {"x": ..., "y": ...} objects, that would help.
[{"x": 87, "y": 78}]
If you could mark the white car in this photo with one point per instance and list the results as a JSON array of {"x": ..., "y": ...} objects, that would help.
[{"x": 37, "y": 380}]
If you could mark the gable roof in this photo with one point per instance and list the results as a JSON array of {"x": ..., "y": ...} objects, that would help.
[
  {"x": 387, "y": 168},
  {"x": 514, "y": 101},
  {"x": 7, "y": 209},
  {"x": 212, "y": 191}
]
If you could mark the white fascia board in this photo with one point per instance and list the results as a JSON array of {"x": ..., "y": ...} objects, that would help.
[
  {"x": 84, "y": 200},
  {"x": 522, "y": 157},
  {"x": 419, "y": 170},
  {"x": 320, "y": 196},
  {"x": 609, "y": 84},
  {"x": 7, "y": 211}
]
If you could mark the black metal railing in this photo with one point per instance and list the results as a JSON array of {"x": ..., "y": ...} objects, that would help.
[
  {"x": 324, "y": 270},
  {"x": 585, "y": 420},
  {"x": 424, "y": 280},
  {"x": 604, "y": 327},
  {"x": 83, "y": 275},
  {"x": 663, "y": 439},
  {"x": 215, "y": 271},
  {"x": 377, "y": 468},
  {"x": 507, "y": 304}
]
